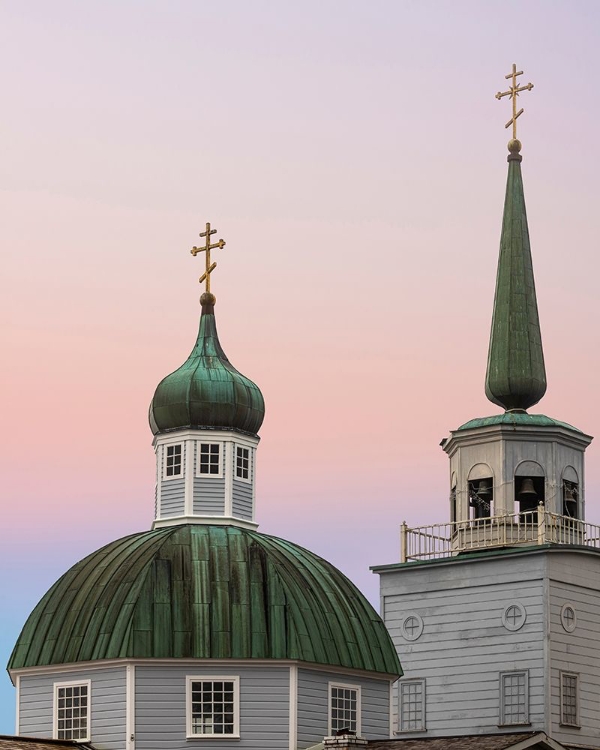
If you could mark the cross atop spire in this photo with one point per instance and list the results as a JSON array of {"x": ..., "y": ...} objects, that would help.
[
  {"x": 513, "y": 92},
  {"x": 210, "y": 267}
]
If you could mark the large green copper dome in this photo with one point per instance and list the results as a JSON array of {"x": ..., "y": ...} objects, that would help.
[
  {"x": 207, "y": 391},
  {"x": 201, "y": 591}
]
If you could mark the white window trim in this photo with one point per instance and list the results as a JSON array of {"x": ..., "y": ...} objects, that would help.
[
  {"x": 566, "y": 673},
  {"x": 344, "y": 686},
  {"x": 219, "y": 474},
  {"x": 236, "y": 706},
  {"x": 72, "y": 683},
  {"x": 250, "y": 463},
  {"x": 164, "y": 461},
  {"x": 423, "y": 727},
  {"x": 502, "y": 719}
]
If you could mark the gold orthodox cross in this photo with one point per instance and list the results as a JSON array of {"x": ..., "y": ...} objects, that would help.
[
  {"x": 210, "y": 267},
  {"x": 513, "y": 92}
]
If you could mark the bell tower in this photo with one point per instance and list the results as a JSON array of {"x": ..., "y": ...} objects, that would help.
[
  {"x": 510, "y": 465},
  {"x": 495, "y": 611}
]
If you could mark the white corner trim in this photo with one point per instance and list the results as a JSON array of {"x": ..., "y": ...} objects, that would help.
[
  {"x": 18, "y": 707},
  {"x": 229, "y": 469},
  {"x": 72, "y": 683},
  {"x": 293, "y": 731},
  {"x": 253, "y": 465},
  {"x": 130, "y": 708},
  {"x": 188, "y": 497}
]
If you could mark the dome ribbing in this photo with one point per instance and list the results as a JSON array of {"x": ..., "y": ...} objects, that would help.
[{"x": 200, "y": 591}]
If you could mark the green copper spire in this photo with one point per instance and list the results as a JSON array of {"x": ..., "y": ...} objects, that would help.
[{"x": 516, "y": 376}]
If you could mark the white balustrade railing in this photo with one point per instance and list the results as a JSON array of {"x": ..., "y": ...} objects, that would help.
[{"x": 533, "y": 527}]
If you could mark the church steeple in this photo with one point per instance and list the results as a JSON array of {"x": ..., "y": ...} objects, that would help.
[{"x": 516, "y": 375}]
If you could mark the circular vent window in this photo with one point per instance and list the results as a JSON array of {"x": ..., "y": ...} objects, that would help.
[
  {"x": 412, "y": 627},
  {"x": 514, "y": 616},
  {"x": 568, "y": 617}
]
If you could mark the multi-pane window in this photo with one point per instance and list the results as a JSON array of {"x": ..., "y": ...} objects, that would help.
[
  {"x": 71, "y": 711},
  {"x": 209, "y": 462},
  {"x": 344, "y": 713},
  {"x": 569, "y": 699},
  {"x": 173, "y": 461},
  {"x": 213, "y": 706},
  {"x": 412, "y": 705},
  {"x": 514, "y": 698},
  {"x": 242, "y": 462}
]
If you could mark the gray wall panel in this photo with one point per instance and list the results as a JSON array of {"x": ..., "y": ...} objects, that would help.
[
  {"x": 108, "y": 704},
  {"x": 160, "y": 703},
  {"x": 464, "y": 645},
  {"x": 313, "y": 704}
]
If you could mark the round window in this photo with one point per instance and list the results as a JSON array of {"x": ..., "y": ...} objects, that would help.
[
  {"x": 514, "y": 616},
  {"x": 568, "y": 617},
  {"x": 412, "y": 627}
]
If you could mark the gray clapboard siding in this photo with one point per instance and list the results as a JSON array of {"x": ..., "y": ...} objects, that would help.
[
  {"x": 161, "y": 707},
  {"x": 172, "y": 498},
  {"x": 575, "y": 579},
  {"x": 313, "y": 704},
  {"x": 209, "y": 496},
  {"x": 242, "y": 499},
  {"x": 464, "y": 645},
  {"x": 108, "y": 704}
]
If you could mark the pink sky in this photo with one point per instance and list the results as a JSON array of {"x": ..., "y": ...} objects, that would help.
[{"x": 352, "y": 155}]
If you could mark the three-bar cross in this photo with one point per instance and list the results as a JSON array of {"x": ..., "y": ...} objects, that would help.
[
  {"x": 210, "y": 267},
  {"x": 513, "y": 92}
]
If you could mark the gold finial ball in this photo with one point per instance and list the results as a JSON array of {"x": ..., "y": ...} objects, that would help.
[
  {"x": 514, "y": 145},
  {"x": 208, "y": 298}
]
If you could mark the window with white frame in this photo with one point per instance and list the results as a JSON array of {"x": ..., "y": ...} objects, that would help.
[
  {"x": 72, "y": 710},
  {"x": 412, "y": 705},
  {"x": 213, "y": 706},
  {"x": 209, "y": 459},
  {"x": 569, "y": 699},
  {"x": 514, "y": 698},
  {"x": 173, "y": 461},
  {"x": 344, "y": 708},
  {"x": 242, "y": 463}
]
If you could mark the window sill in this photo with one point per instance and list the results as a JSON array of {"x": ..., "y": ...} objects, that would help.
[
  {"x": 411, "y": 731},
  {"x": 514, "y": 724},
  {"x": 213, "y": 737},
  {"x": 569, "y": 726}
]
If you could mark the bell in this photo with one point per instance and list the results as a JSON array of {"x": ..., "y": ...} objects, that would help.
[
  {"x": 570, "y": 493},
  {"x": 484, "y": 490},
  {"x": 527, "y": 491}
]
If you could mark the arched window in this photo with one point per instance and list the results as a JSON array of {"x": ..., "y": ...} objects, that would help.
[
  {"x": 481, "y": 491},
  {"x": 570, "y": 493},
  {"x": 530, "y": 486}
]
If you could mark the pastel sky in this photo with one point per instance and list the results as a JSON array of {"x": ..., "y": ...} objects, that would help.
[{"x": 353, "y": 157}]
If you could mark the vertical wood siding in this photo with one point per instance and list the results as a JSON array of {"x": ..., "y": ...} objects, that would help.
[
  {"x": 209, "y": 496},
  {"x": 464, "y": 645},
  {"x": 108, "y": 704},
  {"x": 160, "y": 708},
  {"x": 313, "y": 703}
]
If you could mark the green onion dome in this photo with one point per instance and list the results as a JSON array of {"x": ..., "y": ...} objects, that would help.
[
  {"x": 207, "y": 391},
  {"x": 201, "y": 591}
]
